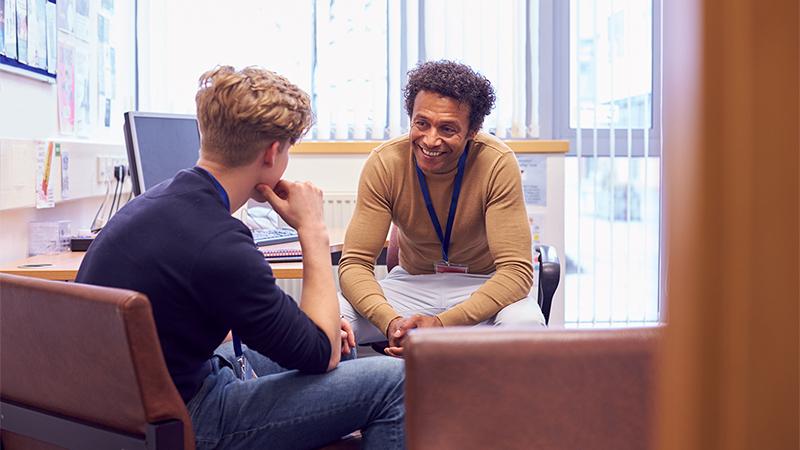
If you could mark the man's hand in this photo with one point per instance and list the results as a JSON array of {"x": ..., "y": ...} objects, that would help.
[
  {"x": 399, "y": 328},
  {"x": 299, "y": 204},
  {"x": 395, "y": 335},
  {"x": 348, "y": 338}
]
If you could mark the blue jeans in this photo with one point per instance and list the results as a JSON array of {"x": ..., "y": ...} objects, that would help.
[{"x": 288, "y": 409}]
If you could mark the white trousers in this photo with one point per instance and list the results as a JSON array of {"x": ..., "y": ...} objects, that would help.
[{"x": 432, "y": 294}]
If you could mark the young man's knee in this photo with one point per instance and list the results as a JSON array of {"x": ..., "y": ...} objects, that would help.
[{"x": 387, "y": 370}]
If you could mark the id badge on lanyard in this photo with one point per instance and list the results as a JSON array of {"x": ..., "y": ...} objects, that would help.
[
  {"x": 244, "y": 369},
  {"x": 444, "y": 265}
]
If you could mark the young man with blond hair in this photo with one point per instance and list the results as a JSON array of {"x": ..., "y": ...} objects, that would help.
[{"x": 179, "y": 245}]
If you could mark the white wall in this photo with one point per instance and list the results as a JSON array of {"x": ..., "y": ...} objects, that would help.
[{"x": 29, "y": 112}]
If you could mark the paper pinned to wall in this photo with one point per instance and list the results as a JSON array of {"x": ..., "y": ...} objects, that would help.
[
  {"x": 17, "y": 174},
  {"x": 50, "y": 14},
  {"x": 10, "y": 28},
  {"x": 22, "y": 31},
  {"x": 82, "y": 19},
  {"x": 37, "y": 34},
  {"x": 66, "y": 15},
  {"x": 64, "y": 153},
  {"x": 45, "y": 169},
  {"x": 2, "y": 27},
  {"x": 65, "y": 83},
  {"x": 83, "y": 118},
  {"x": 533, "y": 169},
  {"x": 536, "y": 222}
]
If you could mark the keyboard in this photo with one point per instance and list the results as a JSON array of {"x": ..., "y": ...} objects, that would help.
[{"x": 274, "y": 236}]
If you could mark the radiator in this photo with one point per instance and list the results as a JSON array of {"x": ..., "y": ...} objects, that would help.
[{"x": 338, "y": 208}]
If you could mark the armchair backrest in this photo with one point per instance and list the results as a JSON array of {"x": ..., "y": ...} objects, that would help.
[
  {"x": 477, "y": 388},
  {"x": 86, "y": 354}
]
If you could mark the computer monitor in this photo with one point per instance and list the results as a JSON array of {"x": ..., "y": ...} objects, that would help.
[{"x": 159, "y": 145}]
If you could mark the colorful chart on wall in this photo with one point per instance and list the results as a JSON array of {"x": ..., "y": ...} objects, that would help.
[{"x": 28, "y": 38}]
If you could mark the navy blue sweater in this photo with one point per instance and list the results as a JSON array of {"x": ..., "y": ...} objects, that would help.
[{"x": 179, "y": 245}]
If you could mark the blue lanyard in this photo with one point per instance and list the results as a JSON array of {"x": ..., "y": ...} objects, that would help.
[
  {"x": 423, "y": 185},
  {"x": 220, "y": 190},
  {"x": 237, "y": 343}
]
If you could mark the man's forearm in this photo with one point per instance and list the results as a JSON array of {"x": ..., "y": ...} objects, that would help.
[{"x": 318, "y": 299}]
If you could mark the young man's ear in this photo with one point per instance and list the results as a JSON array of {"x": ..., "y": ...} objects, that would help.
[{"x": 271, "y": 153}]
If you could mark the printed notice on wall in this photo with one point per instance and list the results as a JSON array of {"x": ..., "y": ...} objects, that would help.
[
  {"x": 534, "y": 178},
  {"x": 64, "y": 170},
  {"x": 45, "y": 154},
  {"x": 536, "y": 222}
]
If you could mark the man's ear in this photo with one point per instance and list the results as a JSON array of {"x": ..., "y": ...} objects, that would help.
[
  {"x": 271, "y": 152},
  {"x": 471, "y": 134}
]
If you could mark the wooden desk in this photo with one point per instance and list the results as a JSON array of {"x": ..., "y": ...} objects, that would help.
[{"x": 64, "y": 266}]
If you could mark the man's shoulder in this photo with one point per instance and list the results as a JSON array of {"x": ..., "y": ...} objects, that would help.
[
  {"x": 491, "y": 145},
  {"x": 393, "y": 149}
]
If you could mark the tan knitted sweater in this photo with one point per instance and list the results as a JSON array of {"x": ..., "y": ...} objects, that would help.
[{"x": 490, "y": 233}]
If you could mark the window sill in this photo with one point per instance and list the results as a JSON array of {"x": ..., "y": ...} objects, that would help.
[{"x": 364, "y": 147}]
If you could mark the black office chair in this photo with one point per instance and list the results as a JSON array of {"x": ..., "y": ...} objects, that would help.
[{"x": 549, "y": 276}]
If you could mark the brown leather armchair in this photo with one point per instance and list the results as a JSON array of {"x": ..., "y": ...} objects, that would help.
[
  {"x": 81, "y": 367},
  {"x": 480, "y": 388}
]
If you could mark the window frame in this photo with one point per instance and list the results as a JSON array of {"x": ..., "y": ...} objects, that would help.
[{"x": 555, "y": 38}]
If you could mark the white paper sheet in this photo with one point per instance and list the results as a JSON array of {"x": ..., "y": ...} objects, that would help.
[{"x": 534, "y": 178}]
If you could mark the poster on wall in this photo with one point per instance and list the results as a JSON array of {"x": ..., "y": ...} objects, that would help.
[
  {"x": 10, "y": 28},
  {"x": 37, "y": 34},
  {"x": 66, "y": 15},
  {"x": 533, "y": 169},
  {"x": 22, "y": 31},
  {"x": 82, "y": 19},
  {"x": 50, "y": 12},
  {"x": 2, "y": 27},
  {"x": 83, "y": 120},
  {"x": 65, "y": 83}
]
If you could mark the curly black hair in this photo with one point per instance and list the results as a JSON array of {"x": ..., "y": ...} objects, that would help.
[{"x": 454, "y": 80}]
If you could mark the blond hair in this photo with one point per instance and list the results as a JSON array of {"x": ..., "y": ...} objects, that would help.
[{"x": 240, "y": 113}]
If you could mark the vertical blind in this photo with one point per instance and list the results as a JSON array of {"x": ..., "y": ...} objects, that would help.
[
  {"x": 613, "y": 184},
  {"x": 351, "y": 56}
]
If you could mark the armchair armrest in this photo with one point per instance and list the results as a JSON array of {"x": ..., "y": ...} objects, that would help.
[{"x": 477, "y": 388}]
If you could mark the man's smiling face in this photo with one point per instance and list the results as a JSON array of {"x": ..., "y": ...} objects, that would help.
[{"x": 439, "y": 131}]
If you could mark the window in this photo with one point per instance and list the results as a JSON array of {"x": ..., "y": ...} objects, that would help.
[
  {"x": 350, "y": 56},
  {"x": 609, "y": 111}
]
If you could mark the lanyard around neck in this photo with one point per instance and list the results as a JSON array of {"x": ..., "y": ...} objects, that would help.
[
  {"x": 220, "y": 190},
  {"x": 444, "y": 238}
]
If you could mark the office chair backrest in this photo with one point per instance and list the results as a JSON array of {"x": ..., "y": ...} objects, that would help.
[
  {"x": 86, "y": 354},
  {"x": 547, "y": 256},
  {"x": 549, "y": 276}
]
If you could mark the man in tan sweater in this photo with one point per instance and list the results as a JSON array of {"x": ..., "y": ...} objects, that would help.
[{"x": 454, "y": 193}]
